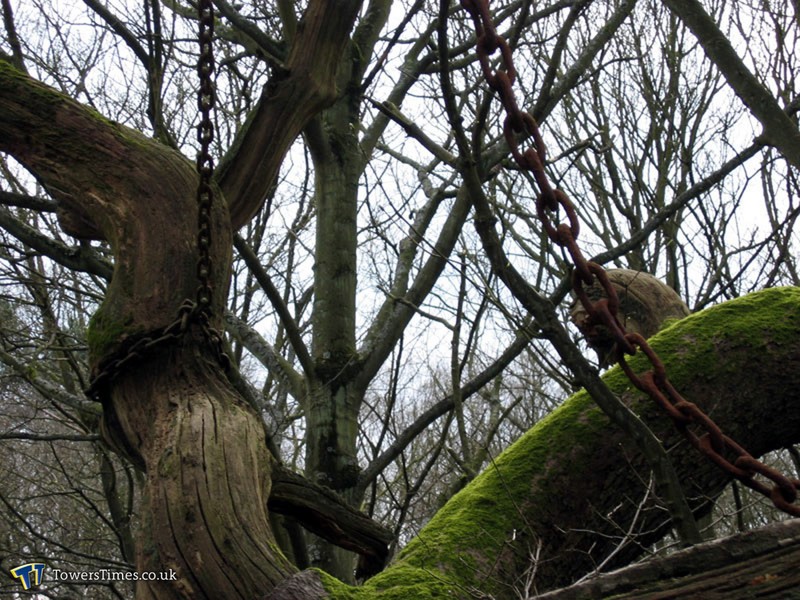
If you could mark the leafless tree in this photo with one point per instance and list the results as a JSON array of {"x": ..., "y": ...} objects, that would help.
[{"x": 363, "y": 192}]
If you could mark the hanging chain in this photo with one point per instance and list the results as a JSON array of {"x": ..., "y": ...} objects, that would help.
[
  {"x": 134, "y": 348},
  {"x": 206, "y": 101},
  {"x": 206, "y": 98},
  {"x": 712, "y": 442}
]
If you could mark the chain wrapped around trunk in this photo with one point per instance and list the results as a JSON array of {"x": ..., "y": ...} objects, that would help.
[
  {"x": 713, "y": 443},
  {"x": 198, "y": 311}
]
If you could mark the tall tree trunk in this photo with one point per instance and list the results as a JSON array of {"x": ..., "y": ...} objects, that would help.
[
  {"x": 334, "y": 403},
  {"x": 334, "y": 397}
]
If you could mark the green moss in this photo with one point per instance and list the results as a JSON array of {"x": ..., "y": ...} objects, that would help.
[
  {"x": 401, "y": 582},
  {"x": 104, "y": 333},
  {"x": 691, "y": 346},
  {"x": 459, "y": 546},
  {"x": 169, "y": 465}
]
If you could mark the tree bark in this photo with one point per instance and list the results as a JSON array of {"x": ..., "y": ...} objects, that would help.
[
  {"x": 756, "y": 564},
  {"x": 297, "y": 91},
  {"x": 323, "y": 512},
  {"x": 207, "y": 478},
  {"x": 334, "y": 399}
]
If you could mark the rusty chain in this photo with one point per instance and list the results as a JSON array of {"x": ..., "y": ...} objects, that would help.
[
  {"x": 134, "y": 348},
  {"x": 713, "y": 443}
]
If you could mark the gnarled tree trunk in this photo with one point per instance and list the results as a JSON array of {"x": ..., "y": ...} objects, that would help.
[
  {"x": 172, "y": 410},
  {"x": 207, "y": 478}
]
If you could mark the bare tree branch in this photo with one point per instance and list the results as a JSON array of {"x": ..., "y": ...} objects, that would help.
[{"x": 779, "y": 130}]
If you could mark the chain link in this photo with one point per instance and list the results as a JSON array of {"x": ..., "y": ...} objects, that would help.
[
  {"x": 713, "y": 443},
  {"x": 135, "y": 348}
]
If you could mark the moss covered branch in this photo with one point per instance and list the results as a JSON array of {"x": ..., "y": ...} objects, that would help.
[{"x": 570, "y": 488}]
